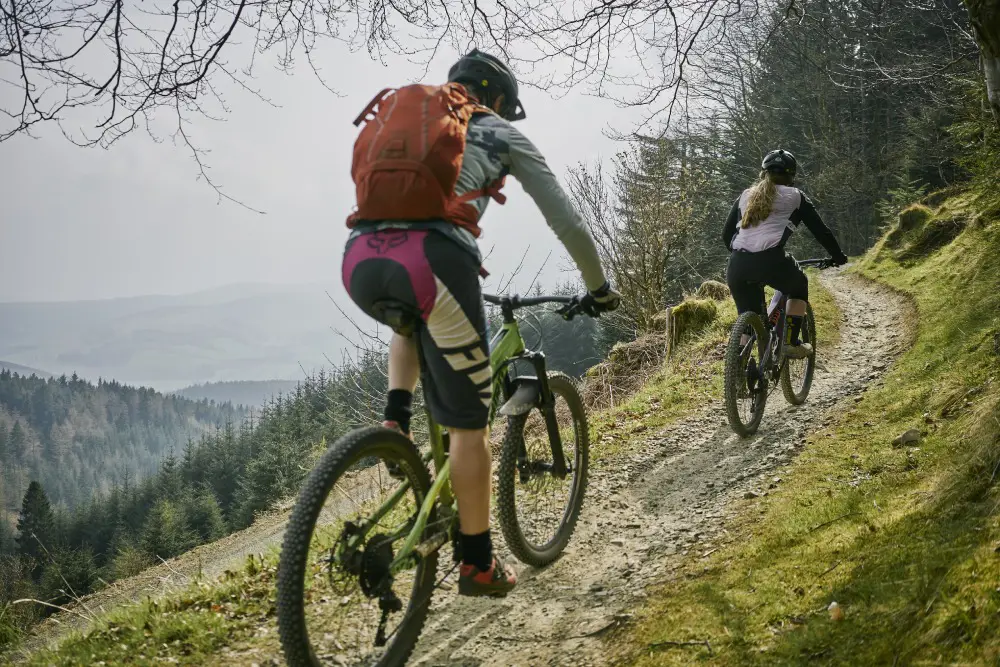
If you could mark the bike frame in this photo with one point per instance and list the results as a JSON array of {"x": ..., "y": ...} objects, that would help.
[{"x": 506, "y": 347}]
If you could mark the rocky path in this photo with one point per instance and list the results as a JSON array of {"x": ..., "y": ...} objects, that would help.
[{"x": 665, "y": 499}]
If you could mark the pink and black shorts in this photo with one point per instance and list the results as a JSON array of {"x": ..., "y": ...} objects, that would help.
[{"x": 435, "y": 277}]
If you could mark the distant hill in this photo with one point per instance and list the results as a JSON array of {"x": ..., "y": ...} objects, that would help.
[
  {"x": 22, "y": 370},
  {"x": 248, "y": 393},
  {"x": 168, "y": 342},
  {"x": 78, "y": 438}
]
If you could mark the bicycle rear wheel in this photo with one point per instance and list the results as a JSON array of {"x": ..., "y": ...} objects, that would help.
[
  {"x": 337, "y": 600},
  {"x": 745, "y": 391},
  {"x": 797, "y": 374},
  {"x": 538, "y": 511}
]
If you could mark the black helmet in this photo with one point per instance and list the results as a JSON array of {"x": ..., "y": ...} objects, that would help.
[
  {"x": 779, "y": 161},
  {"x": 490, "y": 75}
]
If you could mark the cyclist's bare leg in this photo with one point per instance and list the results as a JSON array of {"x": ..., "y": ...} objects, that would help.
[
  {"x": 470, "y": 478},
  {"x": 796, "y": 313},
  {"x": 797, "y": 307},
  {"x": 404, "y": 363},
  {"x": 482, "y": 573}
]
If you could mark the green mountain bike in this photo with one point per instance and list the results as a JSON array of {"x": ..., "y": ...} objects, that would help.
[
  {"x": 359, "y": 561},
  {"x": 756, "y": 362}
]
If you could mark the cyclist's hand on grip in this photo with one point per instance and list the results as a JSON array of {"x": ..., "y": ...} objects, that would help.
[{"x": 601, "y": 300}]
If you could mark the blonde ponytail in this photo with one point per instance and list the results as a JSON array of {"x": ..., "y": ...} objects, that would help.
[{"x": 761, "y": 200}]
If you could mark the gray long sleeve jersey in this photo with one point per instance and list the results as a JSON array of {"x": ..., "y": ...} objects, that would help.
[{"x": 493, "y": 148}]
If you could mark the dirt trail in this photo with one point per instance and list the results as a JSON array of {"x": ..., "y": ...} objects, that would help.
[{"x": 665, "y": 499}]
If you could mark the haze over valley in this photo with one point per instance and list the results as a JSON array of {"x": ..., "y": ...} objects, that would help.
[{"x": 168, "y": 342}]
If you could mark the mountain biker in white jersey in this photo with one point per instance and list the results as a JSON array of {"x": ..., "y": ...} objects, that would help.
[
  {"x": 435, "y": 265},
  {"x": 759, "y": 224}
]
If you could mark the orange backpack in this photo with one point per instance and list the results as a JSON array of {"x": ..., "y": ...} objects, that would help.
[{"x": 409, "y": 154}]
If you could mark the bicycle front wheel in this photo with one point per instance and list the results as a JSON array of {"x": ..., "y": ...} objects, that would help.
[
  {"x": 797, "y": 374},
  {"x": 538, "y": 511},
  {"x": 745, "y": 389},
  {"x": 338, "y": 602}
]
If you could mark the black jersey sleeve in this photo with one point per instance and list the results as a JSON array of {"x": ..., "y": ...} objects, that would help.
[
  {"x": 807, "y": 214},
  {"x": 729, "y": 231}
]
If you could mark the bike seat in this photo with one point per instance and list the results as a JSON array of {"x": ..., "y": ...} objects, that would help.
[{"x": 402, "y": 318}]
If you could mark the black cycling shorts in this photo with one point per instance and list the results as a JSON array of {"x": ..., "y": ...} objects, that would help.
[
  {"x": 748, "y": 273},
  {"x": 439, "y": 280}
]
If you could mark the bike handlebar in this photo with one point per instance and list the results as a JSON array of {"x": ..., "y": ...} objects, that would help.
[
  {"x": 570, "y": 304},
  {"x": 821, "y": 263},
  {"x": 525, "y": 301}
]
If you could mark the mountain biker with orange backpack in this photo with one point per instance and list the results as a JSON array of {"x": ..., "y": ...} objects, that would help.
[{"x": 426, "y": 165}]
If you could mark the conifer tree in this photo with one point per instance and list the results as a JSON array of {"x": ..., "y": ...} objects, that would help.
[{"x": 35, "y": 527}]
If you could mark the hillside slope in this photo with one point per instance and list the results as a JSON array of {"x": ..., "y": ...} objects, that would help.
[
  {"x": 23, "y": 370},
  {"x": 646, "y": 465},
  {"x": 249, "y": 393},
  {"x": 80, "y": 439},
  {"x": 903, "y": 537}
]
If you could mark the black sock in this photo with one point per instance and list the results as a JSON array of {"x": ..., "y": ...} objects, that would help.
[
  {"x": 398, "y": 408},
  {"x": 794, "y": 324},
  {"x": 477, "y": 550}
]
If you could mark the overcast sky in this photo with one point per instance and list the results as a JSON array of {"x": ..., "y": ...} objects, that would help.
[{"x": 93, "y": 223}]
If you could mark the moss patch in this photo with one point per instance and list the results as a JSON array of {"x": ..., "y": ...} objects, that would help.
[
  {"x": 692, "y": 316},
  {"x": 713, "y": 289}
]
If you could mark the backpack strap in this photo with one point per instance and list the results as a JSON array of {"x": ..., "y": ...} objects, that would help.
[
  {"x": 491, "y": 190},
  {"x": 370, "y": 109}
]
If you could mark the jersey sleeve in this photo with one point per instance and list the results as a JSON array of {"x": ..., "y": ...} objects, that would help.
[
  {"x": 729, "y": 230},
  {"x": 530, "y": 169},
  {"x": 807, "y": 214}
]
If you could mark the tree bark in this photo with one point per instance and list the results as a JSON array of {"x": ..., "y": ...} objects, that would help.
[{"x": 985, "y": 18}]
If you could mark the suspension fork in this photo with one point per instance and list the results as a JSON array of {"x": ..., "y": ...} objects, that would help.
[{"x": 547, "y": 404}]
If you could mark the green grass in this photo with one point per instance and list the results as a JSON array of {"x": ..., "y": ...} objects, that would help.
[
  {"x": 906, "y": 542},
  {"x": 189, "y": 628},
  {"x": 226, "y": 622}
]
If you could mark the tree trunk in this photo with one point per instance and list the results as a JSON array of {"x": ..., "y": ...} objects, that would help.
[
  {"x": 991, "y": 67},
  {"x": 985, "y": 18}
]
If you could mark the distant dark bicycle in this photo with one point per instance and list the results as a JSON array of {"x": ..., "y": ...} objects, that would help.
[
  {"x": 359, "y": 560},
  {"x": 756, "y": 361}
]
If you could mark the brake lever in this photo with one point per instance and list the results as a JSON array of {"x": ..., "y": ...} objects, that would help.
[{"x": 570, "y": 310}]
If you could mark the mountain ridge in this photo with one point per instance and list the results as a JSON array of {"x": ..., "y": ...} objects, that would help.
[{"x": 228, "y": 333}]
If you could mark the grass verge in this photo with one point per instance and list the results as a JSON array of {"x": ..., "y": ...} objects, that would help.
[{"x": 904, "y": 539}]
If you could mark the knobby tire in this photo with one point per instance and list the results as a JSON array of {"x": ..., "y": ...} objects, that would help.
[
  {"x": 734, "y": 378},
  {"x": 294, "y": 560},
  {"x": 540, "y": 555}
]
